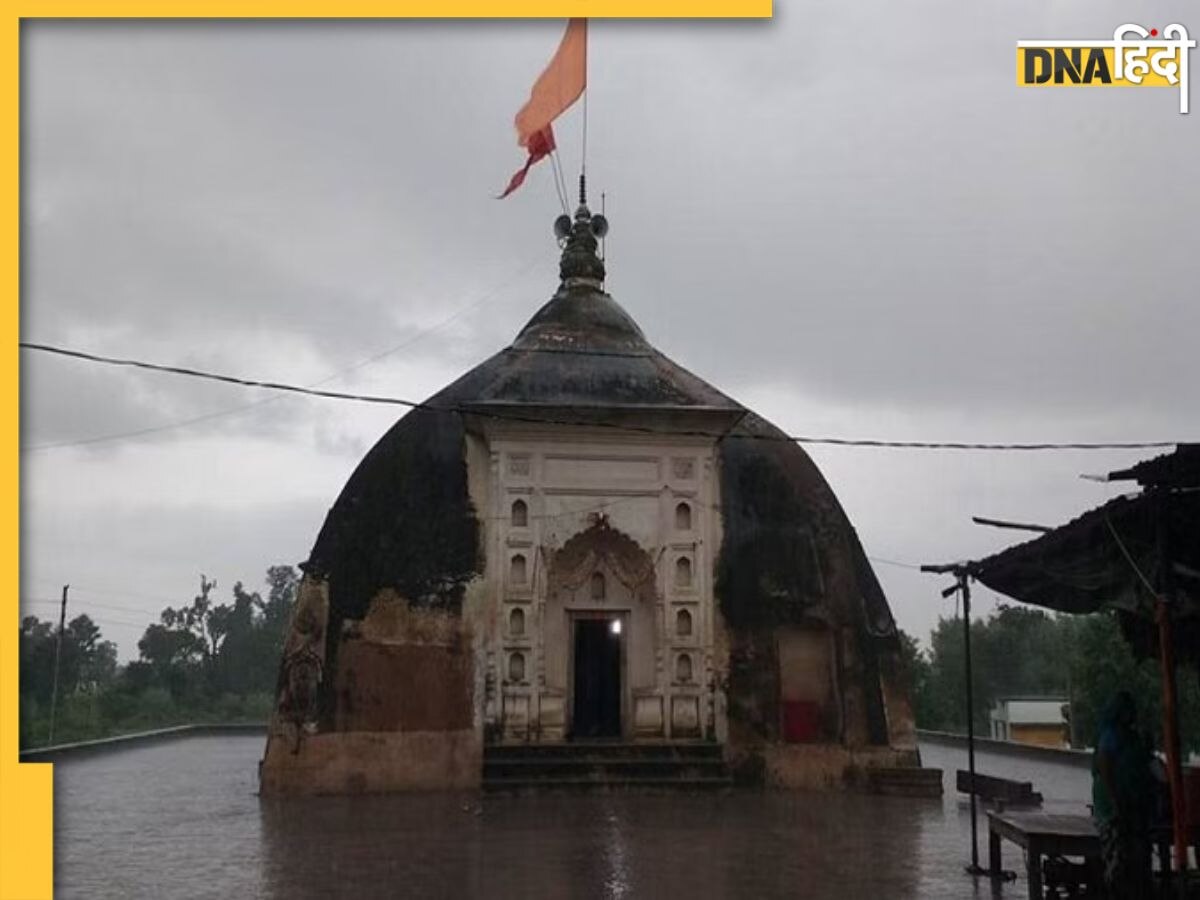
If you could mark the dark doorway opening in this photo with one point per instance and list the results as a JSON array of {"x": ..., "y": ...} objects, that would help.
[{"x": 597, "y": 707}]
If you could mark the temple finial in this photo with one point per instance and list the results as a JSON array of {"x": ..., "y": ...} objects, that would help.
[{"x": 580, "y": 263}]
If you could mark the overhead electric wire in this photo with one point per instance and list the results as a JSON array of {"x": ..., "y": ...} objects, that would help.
[
  {"x": 88, "y": 603},
  {"x": 123, "y": 593},
  {"x": 102, "y": 619},
  {"x": 893, "y": 562},
  {"x": 216, "y": 414},
  {"x": 547, "y": 420}
]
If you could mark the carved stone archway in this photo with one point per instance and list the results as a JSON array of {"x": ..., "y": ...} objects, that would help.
[
  {"x": 601, "y": 546},
  {"x": 627, "y": 591}
]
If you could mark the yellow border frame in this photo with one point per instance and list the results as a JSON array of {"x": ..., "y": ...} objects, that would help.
[
  {"x": 407, "y": 9},
  {"x": 27, "y": 791}
]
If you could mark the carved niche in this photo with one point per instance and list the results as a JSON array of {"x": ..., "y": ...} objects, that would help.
[
  {"x": 601, "y": 546},
  {"x": 304, "y": 661}
]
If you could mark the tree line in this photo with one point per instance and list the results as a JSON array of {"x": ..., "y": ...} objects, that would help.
[
  {"x": 214, "y": 661},
  {"x": 1018, "y": 652},
  {"x": 206, "y": 661}
]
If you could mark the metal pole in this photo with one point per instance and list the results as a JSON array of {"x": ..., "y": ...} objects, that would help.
[
  {"x": 62, "y": 622},
  {"x": 965, "y": 586},
  {"x": 1171, "y": 741},
  {"x": 1072, "y": 738},
  {"x": 962, "y": 583},
  {"x": 1170, "y": 712}
]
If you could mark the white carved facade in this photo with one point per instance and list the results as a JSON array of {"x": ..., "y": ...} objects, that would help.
[{"x": 548, "y": 486}]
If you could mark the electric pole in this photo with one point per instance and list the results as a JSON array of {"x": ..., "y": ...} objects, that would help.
[
  {"x": 62, "y": 624},
  {"x": 963, "y": 573}
]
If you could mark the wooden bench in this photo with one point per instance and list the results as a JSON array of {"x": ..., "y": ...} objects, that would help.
[{"x": 1001, "y": 791}]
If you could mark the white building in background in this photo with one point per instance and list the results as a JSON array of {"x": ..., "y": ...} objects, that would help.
[{"x": 1042, "y": 721}]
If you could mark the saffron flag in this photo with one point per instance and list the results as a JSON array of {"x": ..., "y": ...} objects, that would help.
[
  {"x": 540, "y": 145},
  {"x": 559, "y": 85}
]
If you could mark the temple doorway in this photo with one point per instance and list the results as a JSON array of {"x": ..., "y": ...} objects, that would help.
[{"x": 596, "y": 710}]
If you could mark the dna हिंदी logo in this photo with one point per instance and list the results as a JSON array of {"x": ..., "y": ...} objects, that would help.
[{"x": 1134, "y": 57}]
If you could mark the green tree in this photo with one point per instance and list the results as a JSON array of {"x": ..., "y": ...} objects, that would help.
[
  {"x": 88, "y": 662},
  {"x": 1102, "y": 663},
  {"x": 84, "y": 661},
  {"x": 916, "y": 665},
  {"x": 237, "y": 663},
  {"x": 87, "y": 666},
  {"x": 203, "y": 661},
  {"x": 36, "y": 659},
  {"x": 1021, "y": 651},
  {"x": 215, "y": 650}
]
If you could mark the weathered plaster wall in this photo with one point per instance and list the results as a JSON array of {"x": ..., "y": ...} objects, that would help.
[
  {"x": 897, "y": 701},
  {"x": 404, "y": 713},
  {"x": 791, "y": 560},
  {"x": 404, "y": 669},
  {"x": 392, "y": 666},
  {"x": 403, "y": 522},
  {"x": 341, "y": 762},
  {"x": 826, "y": 766}
]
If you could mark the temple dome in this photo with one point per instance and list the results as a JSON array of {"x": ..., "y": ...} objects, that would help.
[
  {"x": 462, "y": 578},
  {"x": 583, "y": 319},
  {"x": 583, "y": 351},
  {"x": 405, "y": 521}
]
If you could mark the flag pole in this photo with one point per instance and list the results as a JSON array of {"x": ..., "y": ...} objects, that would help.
[
  {"x": 583, "y": 154},
  {"x": 560, "y": 183}
]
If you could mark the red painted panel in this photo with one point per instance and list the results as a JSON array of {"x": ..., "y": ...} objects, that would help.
[
  {"x": 801, "y": 721},
  {"x": 1191, "y": 793}
]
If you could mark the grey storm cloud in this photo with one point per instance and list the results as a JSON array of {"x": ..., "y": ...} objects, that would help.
[{"x": 849, "y": 218}]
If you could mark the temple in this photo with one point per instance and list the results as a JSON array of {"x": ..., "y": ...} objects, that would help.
[{"x": 579, "y": 542}]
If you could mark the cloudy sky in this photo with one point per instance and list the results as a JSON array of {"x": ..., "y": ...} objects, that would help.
[{"x": 850, "y": 219}]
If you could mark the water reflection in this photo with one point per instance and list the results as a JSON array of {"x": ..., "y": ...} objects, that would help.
[
  {"x": 181, "y": 820},
  {"x": 597, "y": 845},
  {"x": 405, "y": 845}
]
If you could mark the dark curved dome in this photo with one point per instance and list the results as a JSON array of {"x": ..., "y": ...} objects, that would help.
[
  {"x": 582, "y": 350},
  {"x": 585, "y": 319},
  {"x": 405, "y": 520}
]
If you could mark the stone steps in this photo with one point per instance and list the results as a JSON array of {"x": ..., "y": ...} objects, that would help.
[
  {"x": 604, "y": 769},
  {"x": 904, "y": 782},
  {"x": 604, "y": 765},
  {"x": 605, "y": 784},
  {"x": 605, "y": 749}
]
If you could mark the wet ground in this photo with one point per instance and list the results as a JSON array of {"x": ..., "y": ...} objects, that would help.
[{"x": 181, "y": 819}]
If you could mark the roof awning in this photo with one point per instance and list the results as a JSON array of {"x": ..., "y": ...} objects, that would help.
[
  {"x": 1110, "y": 557},
  {"x": 1114, "y": 557},
  {"x": 1106, "y": 558}
]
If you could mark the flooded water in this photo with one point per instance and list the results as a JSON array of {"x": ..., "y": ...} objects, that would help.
[{"x": 181, "y": 819}]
